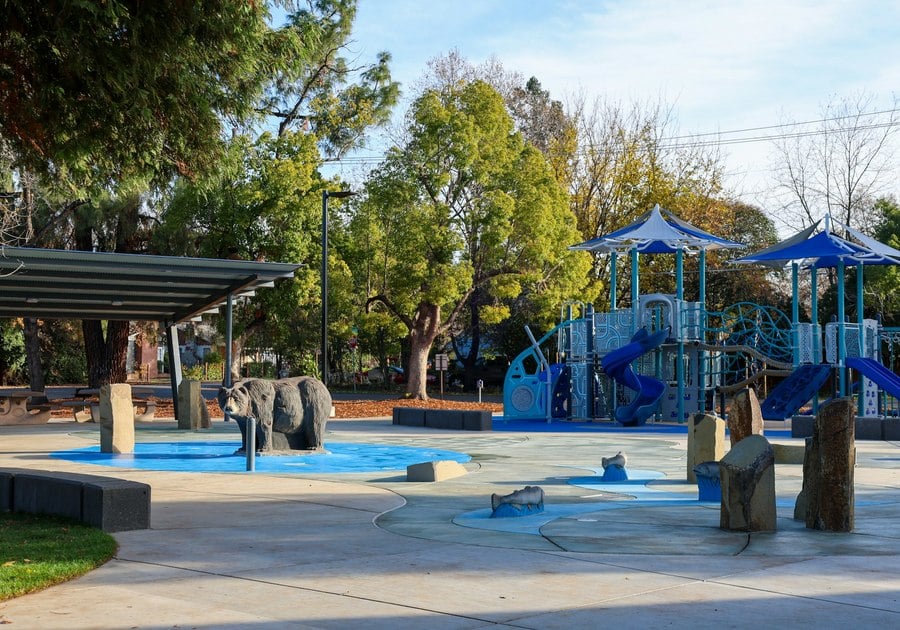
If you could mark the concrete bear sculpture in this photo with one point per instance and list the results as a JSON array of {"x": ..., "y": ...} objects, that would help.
[{"x": 291, "y": 413}]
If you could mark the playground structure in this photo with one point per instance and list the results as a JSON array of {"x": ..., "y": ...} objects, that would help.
[{"x": 665, "y": 358}]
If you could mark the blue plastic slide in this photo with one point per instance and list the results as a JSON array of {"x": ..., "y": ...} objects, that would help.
[
  {"x": 617, "y": 364},
  {"x": 877, "y": 373},
  {"x": 794, "y": 391}
]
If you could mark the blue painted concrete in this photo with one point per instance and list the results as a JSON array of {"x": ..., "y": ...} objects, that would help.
[{"x": 219, "y": 457}]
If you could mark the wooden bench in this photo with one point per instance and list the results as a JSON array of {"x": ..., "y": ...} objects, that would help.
[{"x": 108, "y": 503}]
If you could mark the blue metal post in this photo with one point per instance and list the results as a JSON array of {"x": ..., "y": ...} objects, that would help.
[
  {"x": 635, "y": 298},
  {"x": 701, "y": 355},
  {"x": 612, "y": 281},
  {"x": 860, "y": 403},
  {"x": 679, "y": 333},
  {"x": 814, "y": 320},
  {"x": 841, "y": 340},
  {"x": 795, "y": 314}
]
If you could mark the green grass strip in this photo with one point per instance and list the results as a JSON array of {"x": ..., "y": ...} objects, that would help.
[{"x": 37, "y": 551}]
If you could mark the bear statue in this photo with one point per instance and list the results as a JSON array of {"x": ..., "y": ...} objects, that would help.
[{"x": 290, "y": 413}]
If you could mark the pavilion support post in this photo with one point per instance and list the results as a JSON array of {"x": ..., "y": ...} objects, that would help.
[
  {"x": 174, "y": 353},
  {"x": 229, "y": 306}
]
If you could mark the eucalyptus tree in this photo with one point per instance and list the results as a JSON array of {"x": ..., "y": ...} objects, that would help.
[
  {"x": 263, "y": 201},
  {"x": 465, "y": 205}
]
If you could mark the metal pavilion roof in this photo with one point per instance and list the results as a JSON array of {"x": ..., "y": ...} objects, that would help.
[{"x": 66, "y": 284}]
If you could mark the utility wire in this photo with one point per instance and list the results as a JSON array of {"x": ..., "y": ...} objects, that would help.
[{"x": 695, "y": 140}]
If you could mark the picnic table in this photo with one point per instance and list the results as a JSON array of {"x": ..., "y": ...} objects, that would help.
[
  {"x": 15, "y": 409},
  {"x": 87, "y": 409}
]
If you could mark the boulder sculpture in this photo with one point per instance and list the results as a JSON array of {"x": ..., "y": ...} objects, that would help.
[
  {"x": 614, "y": 467},
  {"x": 290, "y": 413},
  {"x": 529, "y": 500}
]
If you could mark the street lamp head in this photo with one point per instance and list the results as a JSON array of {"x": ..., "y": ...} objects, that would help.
[{"x": 339, "y": 194}]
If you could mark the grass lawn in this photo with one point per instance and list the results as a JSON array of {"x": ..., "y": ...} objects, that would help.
[{"x": 37, "y": 551}]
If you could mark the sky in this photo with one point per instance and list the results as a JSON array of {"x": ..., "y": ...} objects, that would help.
[{"x": 722, "y": 65}]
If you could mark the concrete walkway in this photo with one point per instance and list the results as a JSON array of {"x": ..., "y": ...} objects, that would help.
[{"x": 373, "y": 551}]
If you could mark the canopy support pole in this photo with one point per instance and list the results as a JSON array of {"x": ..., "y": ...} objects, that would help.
[
  {"x": 842, "y": 339},
  {"x": 795, "y": 315},
  {"x": 612, "y": 281},
  {"x": 635, "y": 298},
  {"x": 679, "y": 300},
  {"x": 814, "y": 318},
  {"x": 702, "y": 355},
  {"x": 860, "y": 318}
]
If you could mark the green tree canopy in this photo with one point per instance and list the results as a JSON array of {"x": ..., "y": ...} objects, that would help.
[
  {"x": 466, "y": 206},
  {"x": 96, "y": 91}
]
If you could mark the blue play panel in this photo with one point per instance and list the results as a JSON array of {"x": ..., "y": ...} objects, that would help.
[{"x": 219, "y": 457}]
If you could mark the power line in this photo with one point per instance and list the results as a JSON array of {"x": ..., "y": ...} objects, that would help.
[
  {"x": 783, "y": 125},
  {"x": 671, "y": 143}
]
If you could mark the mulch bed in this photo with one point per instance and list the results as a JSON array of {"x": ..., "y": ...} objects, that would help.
[{"x": 342, "y": 408}]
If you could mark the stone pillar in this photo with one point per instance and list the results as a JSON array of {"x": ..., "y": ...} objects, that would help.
[
  {"x": 828, "y": 492},
  {"x": 706, "y": 441},
  {"x": 192, "y": 411},
  {"x": 116, "y": 419},
  {"x": 745, "y": 417},
  {"x": 748, "y": 486}
]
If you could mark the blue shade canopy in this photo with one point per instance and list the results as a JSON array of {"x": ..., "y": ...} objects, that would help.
[
  {"x": 825, "y": 249},
  {"x": 653, "y": 233}
]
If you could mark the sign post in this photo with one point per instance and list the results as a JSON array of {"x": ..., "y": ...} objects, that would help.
[{"x": 441, "y": 362}]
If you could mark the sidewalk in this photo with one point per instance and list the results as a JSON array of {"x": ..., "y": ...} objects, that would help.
[{"x": 373, "y": 551}]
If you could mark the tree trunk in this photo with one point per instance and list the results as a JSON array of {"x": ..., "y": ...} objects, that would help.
[
  {"x": 33, "y": 356},
  {"x": 237, "y": 347},
  {"x": 106, "y": 354},
  {"x": 426, "y": 326}
]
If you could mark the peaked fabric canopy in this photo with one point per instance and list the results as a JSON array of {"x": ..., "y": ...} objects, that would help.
[
  {"x": 654, "y": 234},
  {"x": 825, "y": 249}
]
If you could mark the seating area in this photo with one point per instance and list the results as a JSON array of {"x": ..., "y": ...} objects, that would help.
[
  {"x": 108, "y": 503},
  {"x": 465, "y": 420},
  {"x": 17, "y": 408}
]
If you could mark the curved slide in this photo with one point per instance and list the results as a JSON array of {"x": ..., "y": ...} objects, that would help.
[{"x": 617, "y": 364}]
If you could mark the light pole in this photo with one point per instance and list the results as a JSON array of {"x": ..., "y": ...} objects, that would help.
[{"x": 338, "y": 194}]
